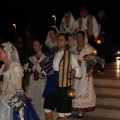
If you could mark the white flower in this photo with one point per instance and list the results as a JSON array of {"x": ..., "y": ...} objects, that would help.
[
  {"x": 25, "y": 67},
  {"x": 17, "y": 101}
]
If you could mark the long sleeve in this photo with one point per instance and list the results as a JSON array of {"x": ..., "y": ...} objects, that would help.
[
  {"x": 76, "y": 67},
  {"x": 18, "y": 83},
  {"x": 95, "y": 27},
  {"x": 76, "y": 25}
]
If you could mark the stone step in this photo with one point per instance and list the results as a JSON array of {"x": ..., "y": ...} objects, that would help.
[
  {"x": 106, "y": 112},
  {"x": 88, "y": 117},
  {"x": 108, "y": 100},
  {"x": 100, "y": 113},
  {"x": 113, "y": 92},
  {"x": 113, "y": 83}
]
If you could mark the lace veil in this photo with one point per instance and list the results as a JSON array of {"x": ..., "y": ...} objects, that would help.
[
  {"x": 72, "y": 19},
  {"x": 48, "y": 37},
  {"x": 11, "y": 52},
  {"x": 86, "y": 39}
]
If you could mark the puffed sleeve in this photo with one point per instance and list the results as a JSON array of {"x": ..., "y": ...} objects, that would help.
[
  {"x": 76, "y": 67},
  {"x": 18, "y": 75}
]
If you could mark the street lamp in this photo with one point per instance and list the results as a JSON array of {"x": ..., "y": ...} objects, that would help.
[
  {"x": 54, "y": 19},
  {"x": 14, "y": 25}
]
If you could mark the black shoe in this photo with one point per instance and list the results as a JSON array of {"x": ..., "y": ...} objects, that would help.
[
  {"x": 80, "y": 115},
  {"x": 69, "y": 116}
]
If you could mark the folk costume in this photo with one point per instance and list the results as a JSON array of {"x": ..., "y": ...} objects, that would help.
[
  {"x": 36, "y": 85},
  {"x": 61, "y": 64},
  {"x": 90, "y": 26},
  {"x": 11, "y": 86},
  {"x": 85, "y": 99}
]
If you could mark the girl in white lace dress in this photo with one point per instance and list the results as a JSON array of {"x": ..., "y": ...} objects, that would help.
[
  {"x": 37, "y": 85},
  {"x": 12, "y": 84}
]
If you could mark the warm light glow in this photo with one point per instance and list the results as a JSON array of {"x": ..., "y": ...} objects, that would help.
[
  {"x": 95, "y": 52},
  {"x": 118, "y": 52},
  {"x": 54, "y": 19},
  {"x": 14, "y": 25},
  {"x": 71, "y": 92},
  {"x": 53, "y": 16},
  {"x": 98, "y": 42},
  {"x": 118, "y": 66}
]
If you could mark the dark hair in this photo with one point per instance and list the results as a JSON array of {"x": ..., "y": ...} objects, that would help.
[
  {"x": 66, "y": 35},
  {"x": 67, "y": 12},
  {"x": 83, "y": 8},
  {"x": 81, "y": 32},
  {"x": 34, "y": 37},
  {"x": 44, "y": 49}
]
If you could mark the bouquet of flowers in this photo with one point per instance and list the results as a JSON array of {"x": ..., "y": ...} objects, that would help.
[
  {"x": 17, "y": 101},
  {"x": 90, "y": 60}
]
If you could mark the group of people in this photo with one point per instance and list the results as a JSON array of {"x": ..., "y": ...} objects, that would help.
[
  {"x": 95, "y": 28},
  {"x": 53, "y": 74}
]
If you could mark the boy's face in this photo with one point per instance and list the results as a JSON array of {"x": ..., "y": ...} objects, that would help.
[{"x": 62, "y": 42}]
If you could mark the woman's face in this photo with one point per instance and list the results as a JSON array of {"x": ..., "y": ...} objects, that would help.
[
  {"x": 67, "y": 17},
  {"x": 52, "y": 34},
  {"x": 80, "y": 38},
  {"x": 3, "y": 54},
  {"x": 36, "y": 46}
]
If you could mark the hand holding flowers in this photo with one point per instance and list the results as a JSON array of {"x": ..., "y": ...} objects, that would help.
[
  {"x": 17, "y": 101},
  {"x": 90, "y": 61}
]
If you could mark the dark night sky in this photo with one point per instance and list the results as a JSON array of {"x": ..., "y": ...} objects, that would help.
[{"x": 39, "y": 14}]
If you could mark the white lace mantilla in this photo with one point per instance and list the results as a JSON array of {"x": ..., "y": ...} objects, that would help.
[{"x": 15, "y": 69}]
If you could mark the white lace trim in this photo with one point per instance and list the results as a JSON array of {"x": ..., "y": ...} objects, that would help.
[{"x": 15, "y": 69}]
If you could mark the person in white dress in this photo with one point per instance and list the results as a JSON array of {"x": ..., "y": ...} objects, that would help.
[
  {"x": 51, "y": 39},
  {"x": 12, "y": 73},
  {"x": 37, "y": 85},
  {"x": 67, "y": 24},
  {"x": 85, "y": 99},
  {"x": 87, "y": 23}
]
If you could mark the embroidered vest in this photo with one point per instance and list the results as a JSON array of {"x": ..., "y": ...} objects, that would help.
[
  {"x": 89, "y": 25},
  {"x": 65, "y": 79}
]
